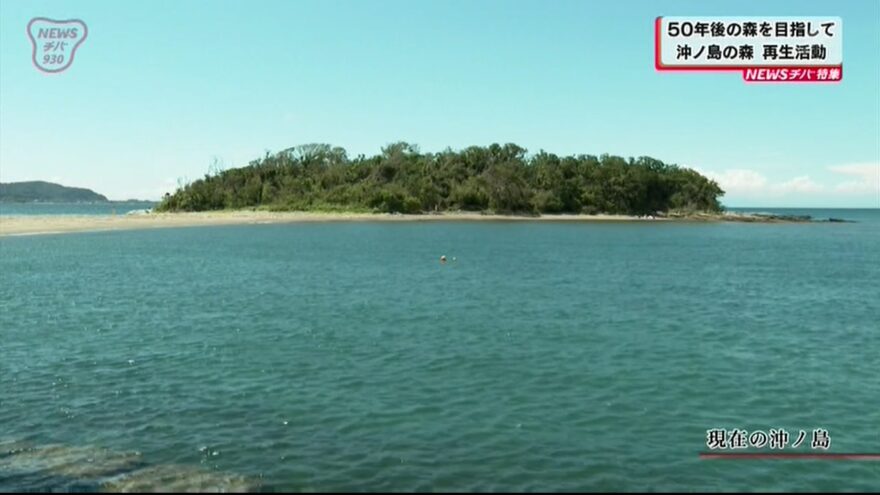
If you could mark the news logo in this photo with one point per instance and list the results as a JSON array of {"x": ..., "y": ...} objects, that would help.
[
  {"x": 54, "y": 43},
  {"x": 763, "y": 49}
]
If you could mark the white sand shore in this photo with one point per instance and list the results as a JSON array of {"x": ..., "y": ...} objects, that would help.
[{"x": 56, "y": 224}]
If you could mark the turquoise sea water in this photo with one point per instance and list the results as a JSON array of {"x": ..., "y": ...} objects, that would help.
[{"x": 555, "y": 356}]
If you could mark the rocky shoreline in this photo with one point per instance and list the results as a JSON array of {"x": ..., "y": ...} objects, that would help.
[{"x": 754, "y": 218}]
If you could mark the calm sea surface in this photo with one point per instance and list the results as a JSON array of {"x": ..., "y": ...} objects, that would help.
[
  {"x": 28, "y": 209},
  {"x": 557, "y": 356}
]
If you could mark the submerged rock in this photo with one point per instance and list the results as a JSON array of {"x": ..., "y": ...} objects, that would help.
[
  {"x": 760, "y": 217},
  {"x": 784, "y": 218},
  {"x": 57, "y": 467},
  {"x": 11, "y": 447},
  {"x": 179, "y": 478},
  {"x": 82, "y": 463}
]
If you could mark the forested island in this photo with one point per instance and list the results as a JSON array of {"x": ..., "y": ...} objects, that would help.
[
  {"x": 493, "y": 179},
  {"x": 47, "y": 192}
]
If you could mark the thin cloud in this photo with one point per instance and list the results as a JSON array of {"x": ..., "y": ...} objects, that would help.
[
  {"x": 739, "y": 181},
  {"x": 800, "y": 185},
  {"x": 864, "y": 178}
]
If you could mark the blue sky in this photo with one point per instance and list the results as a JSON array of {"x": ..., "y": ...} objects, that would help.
[{"x": 160, "y": 89}]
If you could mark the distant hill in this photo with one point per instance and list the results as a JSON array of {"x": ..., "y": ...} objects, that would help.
[{"x": 39, "y": 191}]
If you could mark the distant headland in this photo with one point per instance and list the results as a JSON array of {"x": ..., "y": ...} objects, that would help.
[{"x": 47, "y": 192}]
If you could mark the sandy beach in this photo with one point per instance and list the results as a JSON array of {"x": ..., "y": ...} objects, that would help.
[{"x": 56, "y": 224}]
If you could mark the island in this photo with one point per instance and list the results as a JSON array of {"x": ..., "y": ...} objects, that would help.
[
  {"x": 47, "y": 192},
  {"x": 495, "y": 179},
  {"x": 321, "y": 183}
]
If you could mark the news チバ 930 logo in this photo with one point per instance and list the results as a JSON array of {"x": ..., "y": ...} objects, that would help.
[{"x": 54, "y": 43}]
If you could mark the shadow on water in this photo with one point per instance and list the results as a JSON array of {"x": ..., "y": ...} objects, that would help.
[{"x": 61, "y": 468}]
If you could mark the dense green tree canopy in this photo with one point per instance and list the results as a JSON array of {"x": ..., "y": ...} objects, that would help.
[{"x": 496, "y": 178}]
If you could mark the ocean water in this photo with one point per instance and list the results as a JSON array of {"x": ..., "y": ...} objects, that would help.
[
  {"x": 109, "y": 208},
  {"x": 344, "y": 356}
]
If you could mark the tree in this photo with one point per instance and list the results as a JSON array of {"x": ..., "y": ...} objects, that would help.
[{"x": 500, "y": 178}]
